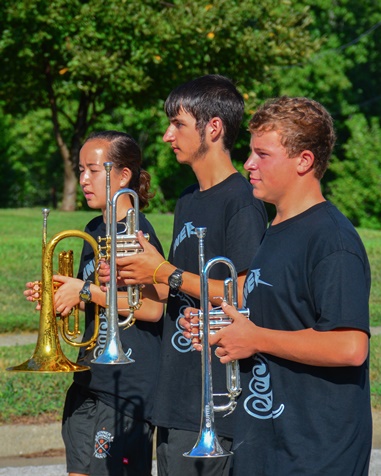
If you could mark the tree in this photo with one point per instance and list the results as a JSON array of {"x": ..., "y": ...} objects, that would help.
[
  {"x": 356, "y": 188},
  {"x": 345, "y": 75},
  {"x": 6, "y": 169},
  {"x": 81, "y": 59}
]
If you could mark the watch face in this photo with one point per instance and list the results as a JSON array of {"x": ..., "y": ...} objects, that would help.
[
  {"x": 85, "y": 294},
  {"x": 85, "y": 297},
  {"x": 175, "y": 280}
]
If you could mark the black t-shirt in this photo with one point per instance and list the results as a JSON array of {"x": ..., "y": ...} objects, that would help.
[
  {"x": 235, "y": 223},
  {"x": 127, "y": 387},
  {"x": 311, "y": 271}
]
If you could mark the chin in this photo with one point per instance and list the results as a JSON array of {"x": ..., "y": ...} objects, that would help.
[
  {"x": 92, "y": 205},
  {"x": 257, "y": 193}
]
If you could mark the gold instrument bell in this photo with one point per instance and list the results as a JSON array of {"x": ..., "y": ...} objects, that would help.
[{"x": 48, "y": 355}]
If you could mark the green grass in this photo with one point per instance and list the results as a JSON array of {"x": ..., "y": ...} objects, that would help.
[
  {"x": 21, "y": 250},
  {"x": 31, "y": 394},
  {"x": 372, "y": 243},
  {"x": 375, "y": 370}
]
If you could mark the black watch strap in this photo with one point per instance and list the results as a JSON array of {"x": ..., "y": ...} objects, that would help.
[
  {"x": 175, "y": 281},
  {"x": 85, "y": 293}
]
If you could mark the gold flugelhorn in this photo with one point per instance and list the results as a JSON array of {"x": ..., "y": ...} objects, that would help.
[
  {"x": 48, "y": 355},
  {"x": 209, "y": 322},
  {"x": 112, "y": 246}
]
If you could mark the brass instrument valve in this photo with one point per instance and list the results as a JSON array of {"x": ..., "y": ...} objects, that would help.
[{"x": 104, "y": 248}]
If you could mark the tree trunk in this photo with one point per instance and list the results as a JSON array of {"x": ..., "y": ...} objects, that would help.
[
  {"x": 71, "y": 158},
  {"x": 69, "y": 198}
]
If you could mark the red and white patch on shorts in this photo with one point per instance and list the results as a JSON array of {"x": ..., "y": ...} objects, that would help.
[{"x": 102, "y": 444}]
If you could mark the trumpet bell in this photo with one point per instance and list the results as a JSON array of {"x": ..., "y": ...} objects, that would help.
[
  {"x": 207, "y": 446},
  {"x": 48, "y": 358},
  {"x": 113, "y": 352}
]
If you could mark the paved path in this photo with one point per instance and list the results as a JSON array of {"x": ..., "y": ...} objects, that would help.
[
  {"x": 59, "y": 470},
  {"x": 48, "y": 470}
]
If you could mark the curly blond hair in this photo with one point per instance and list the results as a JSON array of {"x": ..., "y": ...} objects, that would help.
[{"x": 302, "y": 123}]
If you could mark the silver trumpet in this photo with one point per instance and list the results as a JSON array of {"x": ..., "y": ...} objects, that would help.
[
  {"x": 209, "y": 322},
  {"x": 112, "y": 246}
]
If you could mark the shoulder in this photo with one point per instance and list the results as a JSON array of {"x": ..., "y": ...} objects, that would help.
[
  {"x": 238, "y": 189},
  {"x": 331, "y": 222},
  {"x": 186, "y": 196},
  {"x": 239, "y": 195},
  {"x": 94, "y": 224},
  {"x": 146, "y": 227},
  {"x": 328, "y": 231},
  {"x": 189, "y": 190},
  {"x": 345, "y": 232},
  {"x": 144, "y": 223}
]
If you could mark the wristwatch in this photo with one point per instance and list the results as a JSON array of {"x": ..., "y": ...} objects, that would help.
[
  {"x": 175, "y": 280},
  {"x": 85, "y": 293}
]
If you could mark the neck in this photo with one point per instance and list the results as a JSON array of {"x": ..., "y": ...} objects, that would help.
[
  {"x": 286, "y": 211},
  {"x": 213, "y": 169},
  {"x": 123, "y": 204}
]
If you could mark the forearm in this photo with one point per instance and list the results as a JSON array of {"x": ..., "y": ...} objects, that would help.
[
  {"x": 97, "y": 295},
  {"x": 157, "y": 292},
  {"x": 335, "y": 348},
  {"x": 148, "y": 311},
  {"x": 342, "y": 347},
  {"x": 191, "y": 284}
]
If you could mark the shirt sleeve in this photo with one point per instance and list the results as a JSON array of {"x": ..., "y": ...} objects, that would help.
[{"x": 341, "y": 292}]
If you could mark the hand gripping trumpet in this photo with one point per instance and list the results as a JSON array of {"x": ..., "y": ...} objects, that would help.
[
  {"x": 48, "y": 355},
  {"x": 113, "y": 246},
  {"x": 210, "y": 321}
]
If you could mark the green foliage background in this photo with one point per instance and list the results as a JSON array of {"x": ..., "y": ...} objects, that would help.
[{"x": 69, "y": 67}]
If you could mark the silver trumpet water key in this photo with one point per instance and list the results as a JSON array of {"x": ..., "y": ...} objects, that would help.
[{"x": 210, "y": 321}]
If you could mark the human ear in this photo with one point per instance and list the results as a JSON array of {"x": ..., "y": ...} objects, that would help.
[
  {"x": 215, "y": 127},
  {"x": 125, "y": 177},
  {"x": 305, "y": 161}
]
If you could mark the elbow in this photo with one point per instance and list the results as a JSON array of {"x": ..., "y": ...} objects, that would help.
[
  {"x": 357, "y": 350},
  {"x": 355, "y": 360},
  {"x": 156, "y": 318},
  {"x": 358, "y": 358},
  {"x": 157, "y": 314}
]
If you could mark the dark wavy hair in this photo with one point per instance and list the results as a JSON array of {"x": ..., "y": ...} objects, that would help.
[
  {"x": 207, "y": 97},
  {"x": 303, "y": 124},
  {"x": 125, "y": 152}
]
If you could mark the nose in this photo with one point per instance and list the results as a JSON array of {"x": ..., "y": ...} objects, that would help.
[
  {"x": 168, "y": 135},
  {"x": 83, "y": 178},
  {"x": 251, "y": 163}
]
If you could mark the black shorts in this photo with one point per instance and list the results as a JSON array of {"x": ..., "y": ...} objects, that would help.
[
  {"x": 101, "y": 441},
  {"x": 172, "y": 444}
]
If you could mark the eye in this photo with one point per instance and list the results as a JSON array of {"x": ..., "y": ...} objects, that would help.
[{"x": 261, "y": 154}]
